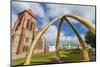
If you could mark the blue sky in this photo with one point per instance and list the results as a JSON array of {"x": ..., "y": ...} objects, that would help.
[{"x": 45, "y": 12}]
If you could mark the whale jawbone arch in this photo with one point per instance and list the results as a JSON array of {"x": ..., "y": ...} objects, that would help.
[
  {"x": 85, "y": 22},
  {"x": 81, "y": 41}
]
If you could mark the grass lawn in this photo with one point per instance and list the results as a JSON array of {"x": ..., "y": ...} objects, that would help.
[{"x": 49, "y": 57}]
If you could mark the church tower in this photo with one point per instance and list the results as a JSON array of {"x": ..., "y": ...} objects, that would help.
[{"x": 23, "y": 32}]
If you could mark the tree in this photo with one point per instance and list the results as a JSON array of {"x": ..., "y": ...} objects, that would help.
[{"x": 90, "y": 39}]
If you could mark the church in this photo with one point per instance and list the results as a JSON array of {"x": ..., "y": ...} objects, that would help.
[{"x": 23, "y": 34}]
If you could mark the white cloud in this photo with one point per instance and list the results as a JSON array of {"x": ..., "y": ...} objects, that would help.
[
  {"x": 51, "y": 34},
  {"x": 67, "y": 38},
  {"x": 38, "y": 9},
  {"x": 90, "y": 14},
  {"x": 35, "y": 7},
  {"x": 72, "y": 39},
  {"x": 44, "y": 21},
  {"x": 63, "y": 37},
  {"x": 56, "y": 10},
  {"x": 52, "y": 48}
]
